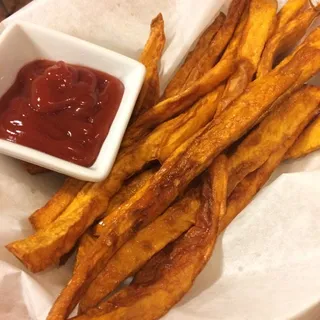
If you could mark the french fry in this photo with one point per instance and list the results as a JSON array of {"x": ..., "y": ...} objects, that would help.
[
  {"x": 307, "y": 142},
  {"x": 253, "y": 182},
  {"x": 150, "y": 57},
  {"x": 233, "y": 46},
  {"x": 235, "y": 86},
  {"x": 129, "y": 189},
  {"x": 231, "y": 54},
  {"x": 257, "y": 28},
  {"x": 308, "y": 41},
  {"x": 288, "y": 12},
  {"x": 85, "y": 244},
  {"x": 285, "y": 39},
  {"x": 218, "y": 44},
  {"x": 198, "y": 84},
  {"x": 203, "y": 111},
  {"x": 176, "y": 84},
  {"x": 152, "y": 92},
  {"x": 89, "y": 204},
  {"x": 165, "y": 279},
  {"x": 259, "y": 22},
  {"x": 47, "y": 214},
  {"x": 187, "y": 124},
  {"x": 176, "y": 173},
  {"x": 125, "y": 193},
  {"x": 149, "y": 271},
  {"x": 219, "y": 175},
  {"x": 136, "y": 252},
  {"x": 179, "y": 103},
  {"x": 273, "y": 130}
]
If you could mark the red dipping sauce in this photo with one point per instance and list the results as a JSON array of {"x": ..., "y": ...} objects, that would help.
[{"x": 60, "y": 109}]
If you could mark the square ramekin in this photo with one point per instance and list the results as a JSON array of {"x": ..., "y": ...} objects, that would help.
[{"x": 22, "y": 43}]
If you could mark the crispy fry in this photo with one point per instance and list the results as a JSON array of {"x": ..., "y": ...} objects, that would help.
[
  {"x": 129, "y": 189},
  {"x": 274, "y": 130},
  {"x": 233, "y": 46},
  {"x": 165, "y": 279},
  {"x": 34, "y": 169},
  {"x": 150, "y": 57},
  {"x": 47, "y": 214},
  {"x": 255, "y": 34},
  {"x": 124, "y": 194},
  {"x": 187, "y": 124},
  {"x": 198, "y": 83},
  {"x": 90, "y": 203},
  {"x": 177, "y": 172},
  {"x": 231, "y": 54},
  {"x": 218, "y": 44},
  {"x": 85, "y": 244},
  {"x": 307, "y": 142},
  {"x": 219, "y": 183},
  {"x": 235, "y": 86},
  {"x": 174, "y": 132},
  {"x": 136, "y": 252},
  {"x": 259, "y": 23},
  {"x": 149, "y": 271},
  {"x": 253, "y": 182},
  {"x": 309, "y": 41},
  {"x": 288, "y": 12},
  {"x": 285, "y": 39},
  {"x": 176, "y": 84},
  {"x": 151, "y": 91},
  {"x": 175, "y": 105}
]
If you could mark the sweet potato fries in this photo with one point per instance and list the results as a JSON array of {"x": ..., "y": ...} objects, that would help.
[{"x": 190, "y": 162}]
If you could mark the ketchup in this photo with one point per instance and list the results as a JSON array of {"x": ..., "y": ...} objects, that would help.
[{"x": 60, "y": 109}]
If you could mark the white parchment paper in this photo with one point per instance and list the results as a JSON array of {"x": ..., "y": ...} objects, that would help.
[{"x": 265, "y": 266}]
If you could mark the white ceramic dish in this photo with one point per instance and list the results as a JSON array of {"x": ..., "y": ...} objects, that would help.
[{"x": 24, "y": 42}]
